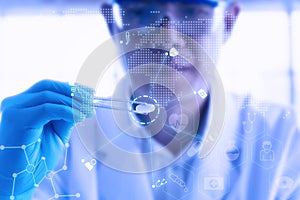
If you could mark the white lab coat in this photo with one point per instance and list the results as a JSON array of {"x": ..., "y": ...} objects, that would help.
[{"x": 239, "y": 168}]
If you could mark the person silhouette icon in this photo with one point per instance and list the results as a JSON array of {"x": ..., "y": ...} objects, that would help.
[{"x": 266, "y": 153}]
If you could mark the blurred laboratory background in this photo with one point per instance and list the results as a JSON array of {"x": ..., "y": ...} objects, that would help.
[{"x": 50, "y": 39}]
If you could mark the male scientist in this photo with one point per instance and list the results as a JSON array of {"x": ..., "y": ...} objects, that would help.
[{"x": 158, "y": 149}]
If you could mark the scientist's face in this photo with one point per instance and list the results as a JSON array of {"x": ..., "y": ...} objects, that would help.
[{"x": 207, "y": 25}]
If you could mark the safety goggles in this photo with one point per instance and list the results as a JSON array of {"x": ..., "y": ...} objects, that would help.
[
  {"x": 212, "y": 3},
  {"x": 194, "y": 19}
]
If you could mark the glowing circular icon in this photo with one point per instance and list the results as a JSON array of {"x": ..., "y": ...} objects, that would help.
[
  {"x": 153, "y": 123},
  {"x": 150, "y": 110},
  {"x": 150, "y": 118}
]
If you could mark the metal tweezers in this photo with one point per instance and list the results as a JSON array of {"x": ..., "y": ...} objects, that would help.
[{"x": 142, "y": 108}]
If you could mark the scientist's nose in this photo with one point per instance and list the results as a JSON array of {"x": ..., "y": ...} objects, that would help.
[
  {"x": 166, "y": 14},
  {"x": 167, "y": 21}
]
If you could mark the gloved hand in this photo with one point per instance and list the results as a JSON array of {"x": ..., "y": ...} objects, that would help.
[{"x": 34, "y": 132}]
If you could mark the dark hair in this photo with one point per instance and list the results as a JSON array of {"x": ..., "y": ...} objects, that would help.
[{"x": 212, "y": 3}]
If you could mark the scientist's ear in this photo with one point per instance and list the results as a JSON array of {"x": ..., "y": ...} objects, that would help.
[
  {"x": 109, "y": 14},
  {"x": 231, "y": 14}
]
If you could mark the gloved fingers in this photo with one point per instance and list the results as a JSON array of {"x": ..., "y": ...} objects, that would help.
[
  {"x": 77, "y": 91},
  {"x": 61, "y": 130},
  {"x": 81, "y": 100},
  {"x": 25, "y": 100},
  {"x": 54, "y": 86},
  {"x": 42, "y": 114},
  {"x": 17, "y": 122}
]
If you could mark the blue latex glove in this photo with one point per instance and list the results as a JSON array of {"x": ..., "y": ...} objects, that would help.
[{"x": 34, "y": 131}]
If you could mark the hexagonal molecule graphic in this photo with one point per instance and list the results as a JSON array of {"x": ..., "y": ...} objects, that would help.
[{"x": 266, "y": 152}]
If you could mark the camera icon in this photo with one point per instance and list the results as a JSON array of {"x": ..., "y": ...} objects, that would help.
[
  {"x": 202, "y": 93},
  {"x": 213, "y": 183}
]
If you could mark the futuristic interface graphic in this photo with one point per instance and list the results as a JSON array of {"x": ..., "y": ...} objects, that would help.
[
  {"x": 158, "y": 78},
  {"x": 41, "y": 166},
  {"x": 159, "y": 60}
]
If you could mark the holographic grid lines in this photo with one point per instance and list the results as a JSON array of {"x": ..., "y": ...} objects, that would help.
[{"x": 30, "y": 169}]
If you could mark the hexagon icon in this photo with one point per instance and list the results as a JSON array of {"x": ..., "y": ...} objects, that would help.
[
  {"x": 213, "y": 183},
  {"x": 284, "y": 185},
  {"x": 266, "y": 152},
  {"x": 252, "y": 123},
  {"x": 233, "y": 153},
  {"x": 183, "y": 121},
  {"x": 177, "y": 185}
]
